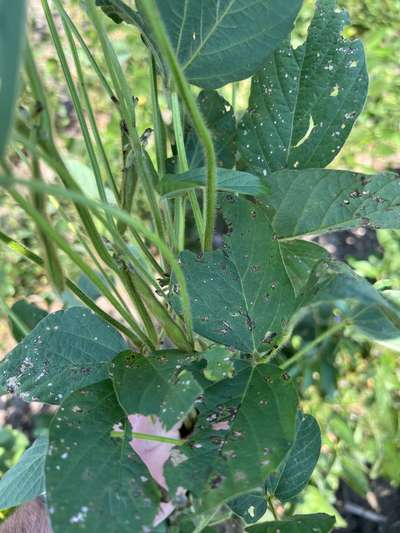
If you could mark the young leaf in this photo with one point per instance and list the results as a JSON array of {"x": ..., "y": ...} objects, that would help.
[
  {"x": 251, "y": 507},
  {"x": 220, "y": 363},
  {"x": 242, "y": 292},
  {"x": 317, "y": 201},
  {"x": 94, "y": 482},
  {"x": 246, "y": 426},
  {"x": 220, "y": 42},
  {"x": 64, "y": 352},
  {"x": 156, "y": 385},
  {"x": 227, "y": 180},
  {"x": 12, "y": 36},
  {"x": 318, "y": 523},
  {"x": 360, "y": 303},
  {"x": 25, "y": 480},
  {"x": 295, "y": 471},
  {"x": 220, "y": 119},
  {"x": 28, "y": 314},
  {"x": 304, "y": 101}
]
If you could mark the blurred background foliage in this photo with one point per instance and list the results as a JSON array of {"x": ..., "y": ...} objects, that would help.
[{"x": 351, "y": 387}]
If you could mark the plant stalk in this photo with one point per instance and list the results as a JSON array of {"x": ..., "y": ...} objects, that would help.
[{"x": 160, "y": 34}]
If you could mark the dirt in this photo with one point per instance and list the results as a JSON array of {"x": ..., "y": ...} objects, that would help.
[
  {"x": 359, "y": 244},
  {"x": 378, "y": 513}
]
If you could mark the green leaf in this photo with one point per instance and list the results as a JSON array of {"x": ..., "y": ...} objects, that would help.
[
  {"x": 246, "y": 426},
  {"x": 28, "y": 314},
  {"x": 251, "y": 507},
  {"x": 219, "y": 116},
  {"x": 299, "y": 258},
  {"x": 220, "y": 42},
  {"x": 355, "y": 475},
  {"x": 304, "y": 101},
  {"x": 157, "y": 384},
  {"x": 358, "y": 301},
  {"x": 315, "y": 500},
  {"x": 25, "y": 480},
  {"x": 85, "y": 178},
  {"x": 227, "y": 180},
  {"x": 317, "y": 201},
  {"x": 220, "y": 119},
  {"x": 317, "y": 523},
  {"x": 220, "y": 363},
  {"x": 243, "y": 293},
  {"x": 12, "y": 37},
  {"x": 88, "y": 287},
  {"x": 295, "y": 471},
  {"x": 110, "y": 10},
  {"x": 96, "y": 483},
  {"x": 64, "y": 352},
  {"x": 119, "y": 11}
]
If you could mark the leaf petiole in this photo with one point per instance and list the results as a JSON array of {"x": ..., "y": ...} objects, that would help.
[
  {"x": 147, "y": 436},
  {"x": 326, "y": 334}
]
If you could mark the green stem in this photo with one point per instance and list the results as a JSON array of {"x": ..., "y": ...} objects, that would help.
[
  {"x": 56, "y": 163},
  {"x": 51, "y": 155},
  {"x": 325, "y": 335},
  {"x": 38, "y": 92},
  {"x": 124, "y": 96},
  {"x": 161, "y": 147},
  {"x": 89, "y": 55},
  {"x": 160, "y": 34},
  {"x": 53, "y": 268},
  {"x": 159, "y": 128},
  {"x": 118, "y": 241},
  {"x": 22, "y": 250},
  {"x": 9, "y": 313},
  {"x": 183, "y": 166},
  {"x": 78, "y": 260},
  {"x": 78, "y": 235},
  {"x": 146, "y": 252},
  {"x": 235, "y": 87},
  {"x": 205, "y": 521},
  {"x": 133, "y": 222},
  {"x": 136, "y": 298},
  {"x": 146, "y": 436},
  {"x": 73, "y": 91},
  {"x": 170, "y": 326},
  {"x": 89, "y": 108},
  {"x": 272, "y": 508}
]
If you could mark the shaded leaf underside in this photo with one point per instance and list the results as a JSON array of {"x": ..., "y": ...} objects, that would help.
[
  {"x": 28, "y": 314},
  {"x": 358, "y": 301},
  {"x": 317, "y": 523},
  {"x": 25, "y": 480},
  {"x": 296, "y": 469},
  {"x": 227, "y": 180}
]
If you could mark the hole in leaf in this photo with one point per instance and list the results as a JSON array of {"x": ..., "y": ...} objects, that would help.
[
  {"x": 311, "y": 126},
  {"x": 335, "y": 90}
]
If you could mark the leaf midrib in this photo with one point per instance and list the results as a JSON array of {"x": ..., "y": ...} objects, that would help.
[{"x": 210, "y": 33}]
